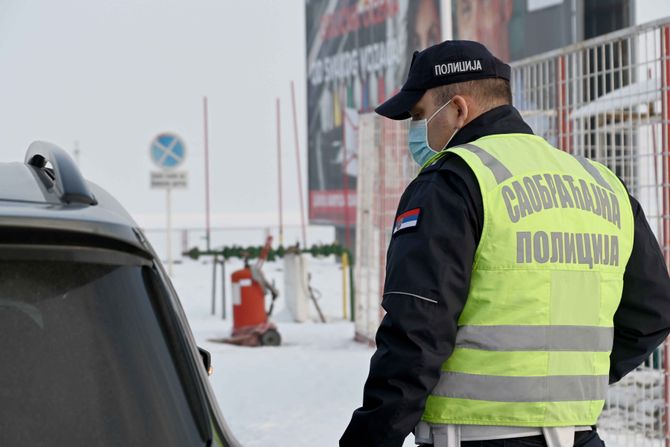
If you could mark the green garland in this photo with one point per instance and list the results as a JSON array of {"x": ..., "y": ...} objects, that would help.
[{"x": 253, "y": 252}]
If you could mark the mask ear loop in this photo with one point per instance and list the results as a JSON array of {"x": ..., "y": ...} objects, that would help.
[
  {"x": 438, "y": 111},
  {"x": 428, "y": 122}
]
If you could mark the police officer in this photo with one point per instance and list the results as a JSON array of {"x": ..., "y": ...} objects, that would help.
[{"x": 520, "y": 279}]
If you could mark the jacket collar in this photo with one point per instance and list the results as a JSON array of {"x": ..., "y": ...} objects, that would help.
[{"x": 500, "y": 120}]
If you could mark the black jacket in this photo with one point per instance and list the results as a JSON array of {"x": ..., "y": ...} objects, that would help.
[{"x": 434, "y": 261}]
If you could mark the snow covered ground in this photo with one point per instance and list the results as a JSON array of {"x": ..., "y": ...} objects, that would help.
[{"x": 299, "y": 394}]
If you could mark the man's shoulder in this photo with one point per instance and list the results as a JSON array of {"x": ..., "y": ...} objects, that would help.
[
  {"x": 449, "y": 165},
  {"x": 447, "y": 177}
]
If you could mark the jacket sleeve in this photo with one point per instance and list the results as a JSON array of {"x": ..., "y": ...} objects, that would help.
[
  {"x": 427, "y": 280},
  {"x": 642, "y": 321}
]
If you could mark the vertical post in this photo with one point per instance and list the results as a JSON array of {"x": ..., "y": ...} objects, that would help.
[
  {"x": 446, "y": 21},
  {"x": 297, "y": 158},
  {"x": 345, "y": 274},
  {"x": 665, "y": 151},
  {"x": 562, "y": 116},
  {"x": 216, "y": 261},
  {"x": 347, "y": 223},
  {"x": 168, "y": 195},
  {"x": 223, "y": 288},
  {"x": 206, "y": 140},
  {"x": 352, "y": 292},
  {"x": 345, "y": 181},
  {"x": 665, "y": 215},
  {"x": 279, "y": 178},
  {"x": 387, "y": 139}
]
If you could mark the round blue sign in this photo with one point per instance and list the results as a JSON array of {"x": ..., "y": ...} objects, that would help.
[{"x": 167, "y": 151}]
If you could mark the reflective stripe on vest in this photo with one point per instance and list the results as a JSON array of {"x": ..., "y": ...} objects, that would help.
[
  {"x": 535, "y": 338},
  {"x": 521, "y": 389},
  {"x": 499, "y": 170},
  {"x": 535, "y": 335}
]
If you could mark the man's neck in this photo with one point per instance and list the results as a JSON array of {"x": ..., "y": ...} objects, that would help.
[{"x": 499, "y": 120}]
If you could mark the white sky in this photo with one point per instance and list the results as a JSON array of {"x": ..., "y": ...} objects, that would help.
[
  {"x": 114, "y": 74},
  {"x": 648, "y": 10}
]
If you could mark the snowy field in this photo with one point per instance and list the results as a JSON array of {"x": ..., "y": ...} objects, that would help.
[{"x": 299, "y": 394}]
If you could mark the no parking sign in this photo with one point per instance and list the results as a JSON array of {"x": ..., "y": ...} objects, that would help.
[{"x": 167, "y": 151}]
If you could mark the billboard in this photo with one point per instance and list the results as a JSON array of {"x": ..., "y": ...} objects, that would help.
[
  {"x": 504, "y": 26},
  {"x": 358, "y": 55}
]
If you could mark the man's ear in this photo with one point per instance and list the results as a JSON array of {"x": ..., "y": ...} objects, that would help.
[{"x": 462, "y": 110}]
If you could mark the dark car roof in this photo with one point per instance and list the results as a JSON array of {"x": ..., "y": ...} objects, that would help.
[{"x": 30, "y": 197}]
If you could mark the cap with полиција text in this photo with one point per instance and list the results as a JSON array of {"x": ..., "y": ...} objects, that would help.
[{"x": 446, "y": 63}]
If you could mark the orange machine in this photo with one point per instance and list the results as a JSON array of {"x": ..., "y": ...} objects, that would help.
[
  {"x": 251, "y": 325},
  {"x": 248, "y": 300}
]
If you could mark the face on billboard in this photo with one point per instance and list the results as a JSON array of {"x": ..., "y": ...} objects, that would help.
[
  {"x": 426, "y": 30},
  {"x": 487, "y": 22}
]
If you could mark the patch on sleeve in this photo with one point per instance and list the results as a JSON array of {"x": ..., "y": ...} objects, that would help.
[{"x": 407, "y": 220}]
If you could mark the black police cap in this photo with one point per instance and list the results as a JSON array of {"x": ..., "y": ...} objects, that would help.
[{"x": 445, "y": 63}]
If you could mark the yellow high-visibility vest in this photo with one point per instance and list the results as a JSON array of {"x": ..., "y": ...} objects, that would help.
[{"x": 535, "y": 336}]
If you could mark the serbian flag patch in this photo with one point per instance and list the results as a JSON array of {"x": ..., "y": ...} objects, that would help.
[{"x": 408, "y": 219}]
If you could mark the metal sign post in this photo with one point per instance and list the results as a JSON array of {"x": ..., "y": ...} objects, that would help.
[
  {"x": 214, "y": 264},
  {"x": 168, "y": 207},
  {"x": 168, "y": 151}
]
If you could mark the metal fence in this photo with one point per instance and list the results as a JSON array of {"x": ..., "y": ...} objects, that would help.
[
  {"x": 607, "y": 99},
  {"x": 385, "y": 169}
]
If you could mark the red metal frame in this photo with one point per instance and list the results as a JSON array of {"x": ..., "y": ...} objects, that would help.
[
  {"x": 665, "y": 158},
  {"x": 385, "y": 142},
  {"x": 665, "y": 91}
]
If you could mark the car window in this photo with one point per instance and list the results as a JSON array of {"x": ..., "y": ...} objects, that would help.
[{"x": 83, "y": 360}]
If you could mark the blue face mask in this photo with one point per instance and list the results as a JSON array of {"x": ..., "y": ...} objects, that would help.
[{"x": 418, "y": 139}]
